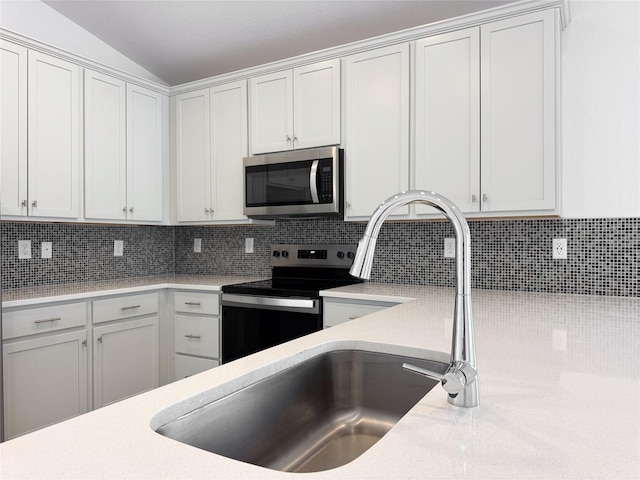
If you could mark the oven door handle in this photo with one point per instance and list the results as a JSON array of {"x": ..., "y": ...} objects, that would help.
[{"x": 308, "y": 305}]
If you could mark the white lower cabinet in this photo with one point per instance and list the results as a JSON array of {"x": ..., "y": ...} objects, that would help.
[
  {"x": 338, "y": 310},
  {"x": 45, "y": 364},
  {"x": 52, "y": 368},
  {"x": 197, "y": 332},
  {"x": 45, "y": 381},
  {"x": 125, "y": 360},
  {"x": 125, "y": 347}
]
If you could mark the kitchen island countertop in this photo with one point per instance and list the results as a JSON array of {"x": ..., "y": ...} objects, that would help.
[{"x": 559, "y": 391}]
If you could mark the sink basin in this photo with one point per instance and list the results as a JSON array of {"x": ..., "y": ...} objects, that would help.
[{"x": 317, "y": 415}]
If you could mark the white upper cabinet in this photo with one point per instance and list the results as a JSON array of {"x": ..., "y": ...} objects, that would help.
[
  {"x": 55, "y": 131},
  {"x": 105, "y": 147},
  {"x": 144, "y": 154},
  {"x": 316, "y": 105},
  {"x": 228, "y": 127},
  {"x": 518, "y": 103},
  {"x": 193, "y": 156},
  {"x": 485, "y": 117},
  {"x": 297, "y": 108},
  {"x": 377, "y": 116},
  {"x": 210, "y": 128},
  {"x": 447, "y": 134},
  {"x": 41, "y": 134},
  {"x": 123, "y": 150},
  {"x": 13, "y": 129}
]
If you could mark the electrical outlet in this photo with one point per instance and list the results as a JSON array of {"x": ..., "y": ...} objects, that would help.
[
  {"x": 46, "y": 250},
  {"x": 118, "y": 248},
  {"x": 24, "y": 249},
  {"x": 197, "y": 245},
  {"x": 559, "y": 248},
  {"x": 450, "y": 248},
  {"x": 248, "y": 245}
]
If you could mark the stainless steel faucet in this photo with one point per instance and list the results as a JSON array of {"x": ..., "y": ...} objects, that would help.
[{"x": 460, "y": 380}]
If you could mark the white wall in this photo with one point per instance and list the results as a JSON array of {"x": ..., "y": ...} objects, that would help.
[
  {"x": 601, "y": 110},
  {"x": 36, "y": 20}
]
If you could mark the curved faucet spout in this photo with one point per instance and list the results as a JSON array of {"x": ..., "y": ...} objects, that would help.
[{"x": 463, "y": 353}]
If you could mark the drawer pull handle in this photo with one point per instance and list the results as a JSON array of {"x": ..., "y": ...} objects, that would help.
[
  {"x": 131, "y": 307},
  {"x": 192, "y": 336},
  {"x": 196, "y": 304},
  {"x": 353, "y": 317},
  {"x": 47, "y": 320}
]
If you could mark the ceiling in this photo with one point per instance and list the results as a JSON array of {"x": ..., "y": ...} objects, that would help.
[{"x": 181, "y": 41}]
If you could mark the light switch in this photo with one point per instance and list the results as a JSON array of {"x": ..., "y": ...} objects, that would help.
[
  {"x": 248, "y": 245},
  {"x": 46, "y": 250},
  {"x": 118, "y": 248}
]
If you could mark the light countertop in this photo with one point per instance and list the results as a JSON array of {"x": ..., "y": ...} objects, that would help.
[
  {"x": 78, "y": 291},
  {"x": 559, "y": 391}
]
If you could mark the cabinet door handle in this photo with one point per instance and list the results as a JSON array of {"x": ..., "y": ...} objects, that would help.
[
  {"x": 197, "y": 337},
  {"x": 34, "y": 203},
  {"x": 131, "y": 209},
  {"x": 124, "y": 209},
  {"x": 24, "y": 203},
  {"x": 288, "y": 138},
  {"x": 473, "y": 199},
  {"x": 196, "y": 304},
  {"x": 99, "y": 339},
  {"x": 130, "y": 307},
  {"x": 484, "y": 197},
  {"x": 46, "y": 320},
  {"x": 84, "y": 343}
]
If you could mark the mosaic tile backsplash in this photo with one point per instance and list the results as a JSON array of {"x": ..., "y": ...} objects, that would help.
[
  {"x": 83, "y": 253},
  {"x": 603, "y": 254}
]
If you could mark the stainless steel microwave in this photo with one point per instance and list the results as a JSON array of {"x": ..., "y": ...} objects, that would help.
[{"x": 296, "y": 183}]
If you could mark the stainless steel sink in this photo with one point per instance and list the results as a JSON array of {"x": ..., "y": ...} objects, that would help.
[{"x": 317, "y": 415}]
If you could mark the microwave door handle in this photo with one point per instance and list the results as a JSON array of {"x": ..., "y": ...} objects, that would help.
[{"x": 313, "y": 181}]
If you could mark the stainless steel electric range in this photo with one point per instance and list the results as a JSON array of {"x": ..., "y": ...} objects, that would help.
[{"x": 259, "y": 315}]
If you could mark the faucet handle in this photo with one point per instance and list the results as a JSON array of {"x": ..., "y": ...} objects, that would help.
[{"x": 454, "y": 380}]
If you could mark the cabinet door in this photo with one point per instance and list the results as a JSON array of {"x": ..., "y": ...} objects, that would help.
[
  {"x": 125, "y": 360},
  {"x": 518, "y": 113},
  {"x": 45, "y": 381},
  {"x": 13, "y": 129},
  {"x": 271, "y": 112},
  {"x": 447, "y": 155},
  {"x": 377, "y": 105},
  {"x": 54, "y": 136},
  {"x": 228, "y": 148},
  {"x": 316, "y": 104},
  {"x": 144, "y": 154},
  {"x": 105, "y": 175},
  {"x": 193, "y": 156}
]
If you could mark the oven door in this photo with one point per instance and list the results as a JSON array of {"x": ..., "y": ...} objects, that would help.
[{"x": 252, "y": 323}]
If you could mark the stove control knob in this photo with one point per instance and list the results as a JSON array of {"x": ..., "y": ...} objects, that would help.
[
  {"x": 285, "y": 254},
  {"x": 340, "y": 254},
  {"x": 276, "y": 253},
  {"x": 351, "y": 255}
]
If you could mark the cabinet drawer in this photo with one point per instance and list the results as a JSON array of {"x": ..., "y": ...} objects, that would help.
[
  {"x": 197, "y": 302},
  {"x": 43, "y": 319},
  {"x": 187, "y": 366},
  {"x": 336, "y": 312},
  {"x": 196, "y": 335},
  {"x": 124, "y": 307}
]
